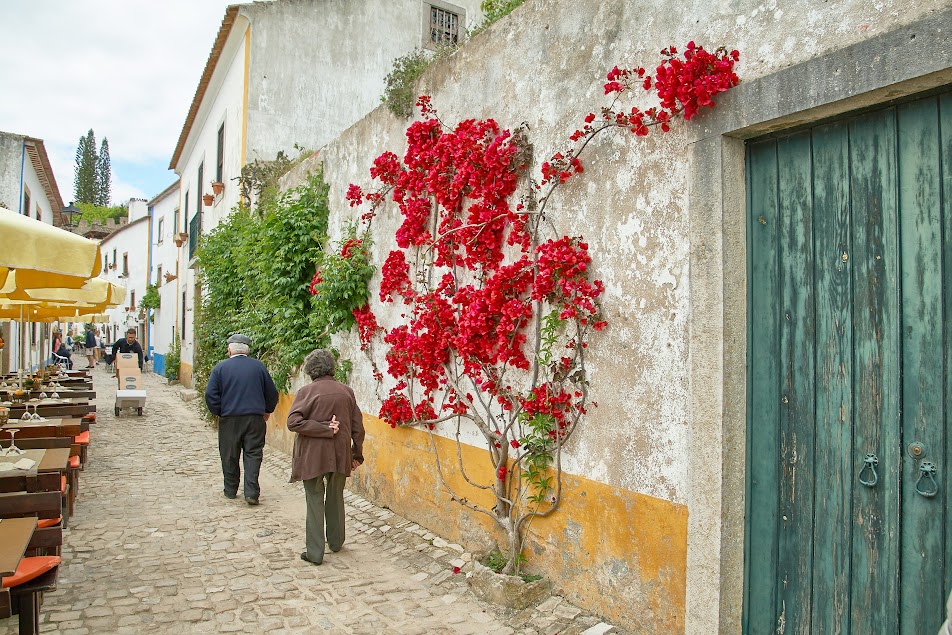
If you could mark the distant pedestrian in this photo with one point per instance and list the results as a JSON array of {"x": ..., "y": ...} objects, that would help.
[
  {"x": 241, "y": 393},
  {"x": 90, "y": 346},
  {"x": 328, "y": 445}
]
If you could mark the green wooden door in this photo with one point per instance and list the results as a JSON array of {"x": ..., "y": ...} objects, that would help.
[{"x": 850, "y": 375}]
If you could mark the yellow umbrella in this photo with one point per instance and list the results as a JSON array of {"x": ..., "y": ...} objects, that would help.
[
  {"x": 95, "y": 291},
  {"x": 43, "y": 255}
]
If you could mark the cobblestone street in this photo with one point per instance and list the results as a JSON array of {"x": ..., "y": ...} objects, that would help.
[{"x": 155, "y": 547}]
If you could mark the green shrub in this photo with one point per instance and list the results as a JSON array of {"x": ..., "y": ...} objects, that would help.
[
  {"x": 400, "y": 92},
  {"x": 173, "y": 359}
]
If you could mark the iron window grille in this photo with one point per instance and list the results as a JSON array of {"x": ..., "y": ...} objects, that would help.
[{"x": 444, "y": 27}]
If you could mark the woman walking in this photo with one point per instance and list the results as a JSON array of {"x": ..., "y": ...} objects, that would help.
[{"x": 328, "y": 444}]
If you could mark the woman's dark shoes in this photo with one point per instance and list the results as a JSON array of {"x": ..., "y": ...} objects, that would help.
[{"x": 306, "y": 559}]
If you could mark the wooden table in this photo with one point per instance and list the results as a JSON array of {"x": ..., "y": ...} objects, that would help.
[
  {"x": 15, "y": 534},
  {"x": 46, "y": 459}
]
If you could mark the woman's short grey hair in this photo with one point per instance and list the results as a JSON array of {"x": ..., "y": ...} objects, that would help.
[
  {"x": 238, "y": 349},
  {"x": 320, "y": 363}
]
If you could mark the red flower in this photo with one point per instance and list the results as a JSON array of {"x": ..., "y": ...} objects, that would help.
[
  {"x": 347, "y": 250},
  {"x": 315, "y": 282}
]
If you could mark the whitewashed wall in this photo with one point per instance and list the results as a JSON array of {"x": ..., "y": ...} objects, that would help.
[{"x": 165, "y": 262}]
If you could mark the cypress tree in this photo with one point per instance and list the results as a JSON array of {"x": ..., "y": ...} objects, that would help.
[
  {"x": 103, "y": 175},
  {"x": 84, "y": 188}
]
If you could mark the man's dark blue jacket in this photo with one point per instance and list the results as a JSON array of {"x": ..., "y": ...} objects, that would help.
[{"x": 240, "y": 385}]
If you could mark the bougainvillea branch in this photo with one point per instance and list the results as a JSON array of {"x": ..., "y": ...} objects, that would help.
[{"x": 476, "y": 274}]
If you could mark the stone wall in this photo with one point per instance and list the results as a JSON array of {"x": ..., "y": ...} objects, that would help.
[{"x": 620, "y": 543}]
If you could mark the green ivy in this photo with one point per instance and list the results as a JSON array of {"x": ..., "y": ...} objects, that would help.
[
  {"x": 343, "y": 287},
  {"x": 151, "y": 299},
  {"x": 255, "y": 269}
]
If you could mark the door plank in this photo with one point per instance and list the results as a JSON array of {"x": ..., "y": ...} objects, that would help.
[
  {"x": 945, "y": 125},
  {"x": 923, "y": 384},
  {"x": 874, "y": 601},
  {"x": 833, "y": 459},
  {"x": 797, "y": 402},
  {"x": 761, "y": 605}
]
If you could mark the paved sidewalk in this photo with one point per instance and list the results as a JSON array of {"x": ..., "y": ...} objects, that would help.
[{"x": 155, "y": 548}]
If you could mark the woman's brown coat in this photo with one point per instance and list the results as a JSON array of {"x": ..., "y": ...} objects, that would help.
[{"x": 317, "y": 450}]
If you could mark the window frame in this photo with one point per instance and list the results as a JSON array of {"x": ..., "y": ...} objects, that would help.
[
  {"x": 220, "y": 158},
  {"x": 439, "y": 5}
]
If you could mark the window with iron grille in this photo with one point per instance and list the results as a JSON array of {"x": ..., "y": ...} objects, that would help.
[{"x": 444, "y": 26}]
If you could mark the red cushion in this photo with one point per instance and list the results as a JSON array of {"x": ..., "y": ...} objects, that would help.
[
  {"x": 82, "y": 438},
  {"x": 48, "y": 522},
  {"x": 90, "y": 417},
  {"x": 63, "y": 484},
  {"x": 31, "y": 568},
  {"x": 74, "y": 462}
]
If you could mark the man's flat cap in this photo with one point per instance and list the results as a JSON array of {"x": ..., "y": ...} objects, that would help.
[{"x": 238, "y": 338}]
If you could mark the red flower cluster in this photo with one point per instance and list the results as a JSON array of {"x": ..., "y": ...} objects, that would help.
[
  {"x": 549, "y": 401},
  {"x": 562, "y": 278},
  {"x": 367, "y": 325},
  {"x": 686, "y": 85},
  {"x": 453, "y": 189},
  {"x": 347, "y": 250},
  {"x": 315, "y": 282}
]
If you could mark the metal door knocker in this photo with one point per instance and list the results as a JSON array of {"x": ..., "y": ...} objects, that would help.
[
  {"x": 927, "y": 469},
  {"x": 869, "y": 463}
]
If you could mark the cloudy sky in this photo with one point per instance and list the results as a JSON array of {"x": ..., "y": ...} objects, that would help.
[{"x": 128, "y": 69}]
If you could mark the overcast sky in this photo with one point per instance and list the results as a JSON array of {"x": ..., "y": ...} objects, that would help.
[{"x": 128, "y": 69}]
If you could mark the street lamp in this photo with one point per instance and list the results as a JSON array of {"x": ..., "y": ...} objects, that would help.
[{"x": 69, "y": 211}]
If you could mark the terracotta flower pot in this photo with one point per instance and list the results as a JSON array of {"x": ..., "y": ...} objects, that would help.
[
  {"x": 217, "y": 187},
  {"x": 208, "y": 199}
]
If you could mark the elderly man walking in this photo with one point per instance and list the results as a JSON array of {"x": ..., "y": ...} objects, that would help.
[
  {"x": 328, "y": 445},
  {"x": 241, "y": 393}
]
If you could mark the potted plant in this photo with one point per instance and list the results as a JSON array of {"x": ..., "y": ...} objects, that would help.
[
  {"x": 217, "y": 187},
  {"x": 169, "y": 277},
  {"x": 208, "y": 199}
]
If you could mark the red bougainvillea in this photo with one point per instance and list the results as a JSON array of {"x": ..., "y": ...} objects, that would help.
[{"x": 495, "y": 311}]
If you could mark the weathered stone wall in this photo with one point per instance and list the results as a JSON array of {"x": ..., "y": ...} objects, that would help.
[{"x": 619, "y": 543}]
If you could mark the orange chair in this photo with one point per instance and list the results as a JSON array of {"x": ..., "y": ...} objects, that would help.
[{"x": 21, "y": 592}]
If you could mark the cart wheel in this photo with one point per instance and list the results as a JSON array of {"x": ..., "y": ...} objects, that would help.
[
  {"x": 140, "y": 412},
  {"x": 117, "y": 411}
]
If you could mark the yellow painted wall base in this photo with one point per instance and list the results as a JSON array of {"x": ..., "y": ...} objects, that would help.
[
  {"x": 618, "y": 553},
  {"x": 185, "y": 375}
]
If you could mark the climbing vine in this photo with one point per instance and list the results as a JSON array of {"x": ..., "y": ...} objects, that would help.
[
  {"x": 255, "y": 270},
  {"x": 496, "y": 306}
]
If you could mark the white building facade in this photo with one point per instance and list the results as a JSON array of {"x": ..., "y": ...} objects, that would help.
[
  {"x": 126, "y": 254},
  {"x": 161, "y": 324},
  {"x": 286, "y": 76}
]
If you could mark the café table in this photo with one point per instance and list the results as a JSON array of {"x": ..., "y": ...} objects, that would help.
[
  {"x": 45, "y": 459},
  {"x": 15, "y": 534}
]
